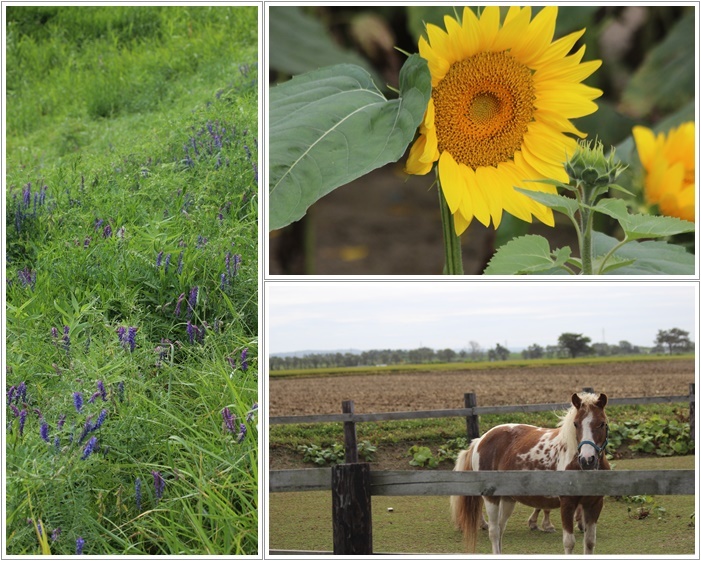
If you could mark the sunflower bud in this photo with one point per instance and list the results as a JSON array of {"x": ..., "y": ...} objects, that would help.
[{"x": 590, "y": 167}]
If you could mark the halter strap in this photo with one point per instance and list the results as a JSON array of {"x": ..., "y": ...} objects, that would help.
[{"x": 599, "y": 449}]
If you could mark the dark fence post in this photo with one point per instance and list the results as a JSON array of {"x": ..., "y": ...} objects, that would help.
[
  {"x": 352, "y": 510},
  {"x": 692, "y": 410},
  {"x": 588, "y": 390},
  {"x": 473, "y": 422},
  {"x": 349, "y": 436}
]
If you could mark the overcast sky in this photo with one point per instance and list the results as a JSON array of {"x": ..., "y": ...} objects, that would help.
[{"x": 368, "y": 315}]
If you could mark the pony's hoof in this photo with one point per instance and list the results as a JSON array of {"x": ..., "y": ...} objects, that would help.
[{"x": 550, "y": 530}]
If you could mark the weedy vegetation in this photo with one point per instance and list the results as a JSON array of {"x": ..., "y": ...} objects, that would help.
[{"x": 131, "y": 280}]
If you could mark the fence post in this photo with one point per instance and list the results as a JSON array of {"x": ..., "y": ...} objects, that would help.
[
  {"x": 692, "y": 410},
  {"x": 588, "y": 390},
  {"x": 352, "y": 509},
  {"x": 473, "y": 422},
  {"x": 349, "y": 435}
]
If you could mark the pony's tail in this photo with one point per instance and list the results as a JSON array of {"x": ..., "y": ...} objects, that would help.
[{"x": 467, "y": 510}]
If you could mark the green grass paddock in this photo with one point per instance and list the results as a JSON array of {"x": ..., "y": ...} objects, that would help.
[{"x": 302, "y": 521}]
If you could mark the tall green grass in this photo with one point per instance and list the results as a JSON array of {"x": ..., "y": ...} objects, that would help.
[{"x": 132, "y": 203}]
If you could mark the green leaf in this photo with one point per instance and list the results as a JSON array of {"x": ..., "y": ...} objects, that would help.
[
  {"x": 299, "y": 43},
  {"x": 331, "y": 126},
  {"x": 637, "y": 226},
  {"x": 651, "y": 257},
  {"x": 528, "y": 254},
  {"x": 559, "y": 203},
  {"x": 665, "y": 80}
]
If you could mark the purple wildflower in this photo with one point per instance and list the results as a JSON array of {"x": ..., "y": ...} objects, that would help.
[
  {"x": 131, "y": 338},
  {"x": 177, "y": 306},
  {"x": 158, "y": 484},
  {"x": 11, "y": 394},
  {"x": 87, "y": 429},
  {"x": 167, "y": 262},
  {"x": 191, "y": 332},
  {"x": 121, "y": 333},
  {"x": 159, "y": 259},
  {"x": 242, "y": 433},
  {"x": 93, "y": 397},
  {"x": 102, "y": 390},
  {"x": 201, "y": 242},
  {"x": 89, "y": 448},
  {"x": 61, "y": 421},
  {"x": 21, "y": 393},
  {"x": 120, "y": 391},
  {"x": 192, "y": 301},
  {"x": 27, "y": 278},
  {"x": 98, "y": 223},
  {"x": 79, "y": 543},
  {"x": 15, "y": 411},
  {"x": 44, "y": 431},
  {"x": 232, "y": 362},
  {"x": 22, "y": 420},
  {"x": 180, "y": 262},
  {"x": 237, "y": 264},
  {"x": 223, "y": 284},
  {"x": 86, "y": 242},
  {"x": 66, "y": 338},
  {"x": 107, "y": 231},
  {"x": 78, "y": 401},
  {"x": 55, "y": 534},
  {"x": 137, "y": 490},
  {"x": 229, "y": 420},
  {"x": 100, "y": 419},
  {"x": 244, "y": 359},
  {"x": 57, "y": 443},
  {"x": 254, "y": 409},
  {"x": 27, "y": 194}
]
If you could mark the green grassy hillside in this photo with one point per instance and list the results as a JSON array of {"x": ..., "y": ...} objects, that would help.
[{"x": 131, "y": 280}]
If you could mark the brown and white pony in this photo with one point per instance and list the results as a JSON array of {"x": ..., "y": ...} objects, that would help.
[{"x": 578, "y": 443}]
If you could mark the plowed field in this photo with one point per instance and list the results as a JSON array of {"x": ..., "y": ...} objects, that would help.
[{"x": 444, "y": 390}]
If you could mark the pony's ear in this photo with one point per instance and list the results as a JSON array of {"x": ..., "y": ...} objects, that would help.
[
  {"x": 576, "y": 400},
  {"x": 602, "y": 401}
]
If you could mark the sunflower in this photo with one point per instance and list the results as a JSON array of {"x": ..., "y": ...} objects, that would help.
[
  {"x": 499, "y": 115},
  {"x": 669, "y": 163}
]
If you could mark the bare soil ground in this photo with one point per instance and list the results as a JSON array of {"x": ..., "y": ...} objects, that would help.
[{"x": 445, "y": 390}]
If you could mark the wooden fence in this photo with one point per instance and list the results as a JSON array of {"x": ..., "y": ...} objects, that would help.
[{"x": 352, "y": 484}]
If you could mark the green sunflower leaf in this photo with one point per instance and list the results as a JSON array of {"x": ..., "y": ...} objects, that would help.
[
  {"x": 556, "y": 202},
  {"x": 528, "y": 255},
  {"x": 652, "y": 257},
  {"x": 331, "y": 126},
  {"x": 300, "y": 43},
  {"x": 637, "y": 226}
]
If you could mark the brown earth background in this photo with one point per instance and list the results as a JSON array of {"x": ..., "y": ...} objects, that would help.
[
  {"x": 509, "y": 386},
  {"x": 414, "y": 391}
]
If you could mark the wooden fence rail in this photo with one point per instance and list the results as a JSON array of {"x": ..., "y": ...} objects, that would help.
[{"x": 497, "y": 483}]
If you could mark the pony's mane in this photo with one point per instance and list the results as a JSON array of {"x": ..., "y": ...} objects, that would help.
[{"x": 568, "y": 434}]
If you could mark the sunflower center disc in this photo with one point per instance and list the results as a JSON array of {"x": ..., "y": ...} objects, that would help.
[{"x": 483, "y": 107}]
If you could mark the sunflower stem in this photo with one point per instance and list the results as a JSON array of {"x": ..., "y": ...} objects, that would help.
[{"x": 451, "y": 241}]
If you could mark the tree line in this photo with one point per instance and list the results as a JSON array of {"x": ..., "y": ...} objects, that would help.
[{"x": 569, "y": 345}]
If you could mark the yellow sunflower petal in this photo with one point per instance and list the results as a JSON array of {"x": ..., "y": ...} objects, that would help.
[
  {"x": 460, "y": 222},
  {"x": 515, "y": 25},
  {"x": 470, "y": 27},
  {"x": 437, "y": 65},
  {"x": 645, "y": 143},
  {"x": 488, "y": 27},
  {"x": 451, "y": 181},
  {"x": 479, "y": 206},
  {"x": 537, "y": 38},
  {"x": 414, "y": 165},
  {"x": 560, "y": 48},
  {"x": 489, "y": 182}
]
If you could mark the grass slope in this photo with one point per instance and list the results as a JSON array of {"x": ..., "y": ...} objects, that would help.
[
  {"x": 131, "y": 280},
  {"x": 423, "y": 525}
]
